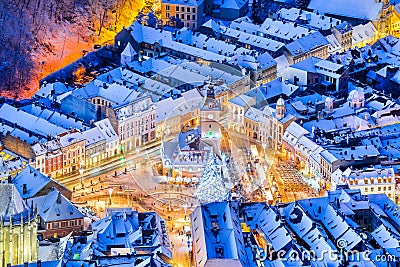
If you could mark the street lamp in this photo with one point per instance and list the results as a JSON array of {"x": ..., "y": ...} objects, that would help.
[
  {"x": 110, "y": 191},
  {"x": 82, "y": 162},
  {"x": 81, "y": 173},
  {"x": 185, "y": 207},
  {"x": 264, "y": 145}
]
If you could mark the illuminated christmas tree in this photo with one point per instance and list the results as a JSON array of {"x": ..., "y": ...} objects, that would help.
[{"x": 211, "y": 187}]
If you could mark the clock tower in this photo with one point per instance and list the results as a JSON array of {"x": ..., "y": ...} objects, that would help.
[{"x": 209, "y": 118}]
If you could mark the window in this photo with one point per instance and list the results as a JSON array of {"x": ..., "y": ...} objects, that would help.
[
  {"x": 177, "y": 16},
  {"x": 177, "y": 8},
  {"x": 167, "y": 14},
  {"x": 193, "y": 18},
  {"x": 167, "y": 7},
  {"x": 188, "y": 9},
  {"x": 182, "y": 9},
  {"x": 188, "y": 17}
]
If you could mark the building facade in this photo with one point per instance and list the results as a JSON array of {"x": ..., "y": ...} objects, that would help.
[
  {"x": 18, "y": 229},
  {"x": 73, "y": 147},
  {"x": 137, "y": 123},
  {"x": 188, "y": 12}
]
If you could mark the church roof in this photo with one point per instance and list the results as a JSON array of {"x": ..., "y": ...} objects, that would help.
[{"x": 12, "y": 205}]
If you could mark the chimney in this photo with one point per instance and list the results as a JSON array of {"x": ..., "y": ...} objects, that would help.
[
  {"x": 59, "y": 198},
  {"x": 24, "y": 189}
]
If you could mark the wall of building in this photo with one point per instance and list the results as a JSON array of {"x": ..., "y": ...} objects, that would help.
[
  {"x": 18, "y": 146},
  {"x": 61, "y": 228},
  {"x": 18, "y": 243},
  {"x": 191, "y": 16}
]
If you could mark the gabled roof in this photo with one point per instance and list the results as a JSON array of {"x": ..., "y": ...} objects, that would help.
[
  {"x": 385, "y": 237},
  {"x": 242, "y": 100},
  {"x": 307, "y": 43},
  {"x": 128, "y": 51},
  {"x": 359, "y": 9},
  {"x": 33, "y": 179},
  {"x": 29, "y": 122},
  {"x": 116, "y": 229},
  {"x": 55, "y": 207},
  {"x": 70, "y": 137},
  {"x": 107, "y": 130},
  {"x": 93, "y": 136},
  {"x": 56, "y": 88},
  {"x": 11, "y": 204},
  {"x": 231, "y": 4}
]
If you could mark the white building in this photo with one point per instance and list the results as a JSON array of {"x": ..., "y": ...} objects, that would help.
[
  {"x": 137, "y": 122},
  {"x": 369, "y": 181},
  {"x": 112, "y": 140},
  {"x": 237, "y": 107}
]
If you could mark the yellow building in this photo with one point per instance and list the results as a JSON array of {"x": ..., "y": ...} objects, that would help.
[
  {"x": 18, "y": 228},
  {"x": 189, "y": 12},
  {"x": 394, "y": 20}
]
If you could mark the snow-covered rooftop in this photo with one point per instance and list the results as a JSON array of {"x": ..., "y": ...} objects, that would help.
[{"x": 359, "y": 9}]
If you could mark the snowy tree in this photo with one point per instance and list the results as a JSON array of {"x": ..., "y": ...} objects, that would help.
[
  {"x": 16, "y": 41},
  {"x": 302, "y": 4},
  {"x": 211, "y": 187},
  {"x": 149, "y": 19},
  {"x": 100, "y": 9},
  {"x": 152, "y": 20},
  {"x": 175, "y": 22},
  {"x": 255, "y": 11}
]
